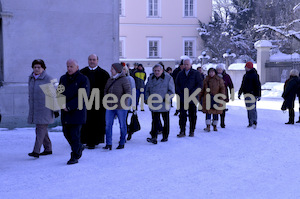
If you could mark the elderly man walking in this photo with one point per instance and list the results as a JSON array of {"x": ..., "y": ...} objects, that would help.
[
  {"x": 187, "y": 79},
  {"x": 72, "y": 117},
  {"x": 159, "y": 88}
]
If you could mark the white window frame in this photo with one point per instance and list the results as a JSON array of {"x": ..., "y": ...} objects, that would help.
[
  {"x": 189, "y": 39},
  {"x": 122, "y": 8},
  {"x": 154, "y": 39},
  {"x": 194, "y": 14},
  {"x": 152, "y": 15},
  {"x": 122, "y": 44}
]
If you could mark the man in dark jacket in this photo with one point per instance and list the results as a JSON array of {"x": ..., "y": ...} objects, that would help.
[
  {"x": 251, "y": 88},
  {"x": 72, "y": 117},
  {"x": 190, "y": 79},
  {"x": 93, "y": 132}
]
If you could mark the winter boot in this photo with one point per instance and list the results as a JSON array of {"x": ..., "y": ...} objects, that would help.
[
  {"x": 207, "y": 129},
  {"x": 222, "y": 116},
  {"x": 152, "y": 140},
  {"x": 298, "y": 120},
  {"x": 191, "y": 134},
  {"x": 215, "y": 127},
  {"x": 181, "y": 134}
]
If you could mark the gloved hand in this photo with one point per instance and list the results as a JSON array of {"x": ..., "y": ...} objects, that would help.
[{"x": 56, "y": 114}]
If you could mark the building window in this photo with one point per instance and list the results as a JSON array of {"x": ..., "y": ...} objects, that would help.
[
  {"x": 122, "y": 8},
  {"x": 122, "y": 47},
  {"x": 153, "y": 8},
  {"x": 189, "y": 8},
  {"x": 154, "y": 47},
  {"x": 189, "y": 47}
]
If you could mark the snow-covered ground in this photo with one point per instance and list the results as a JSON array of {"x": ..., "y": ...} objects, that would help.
[{"x": 235, "y": 162}]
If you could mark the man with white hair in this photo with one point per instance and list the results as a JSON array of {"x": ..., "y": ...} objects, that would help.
[
  {"x": 162, "y": 84},
  {"x": 190, "y": 79},
  {"x": 71, "y": 117}
]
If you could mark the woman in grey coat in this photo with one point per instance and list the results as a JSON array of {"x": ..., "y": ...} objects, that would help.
[{"x": 39, "y": 114}]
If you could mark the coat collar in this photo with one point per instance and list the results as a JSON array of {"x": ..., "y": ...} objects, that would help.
[
  {"x": 42, "y": 75},
  {"x": 162, "y": 76}
]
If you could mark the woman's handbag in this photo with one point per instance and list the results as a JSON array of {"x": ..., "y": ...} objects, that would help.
[
  {"x": 283, "y": 107},
  {"x": 134, "y": 125}
]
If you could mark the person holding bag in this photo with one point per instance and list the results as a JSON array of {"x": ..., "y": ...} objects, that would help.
[
  {"x": 212, "y": 85},
  {"x": 118, "y": 85}
]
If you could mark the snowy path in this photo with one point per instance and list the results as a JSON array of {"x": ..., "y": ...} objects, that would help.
[{"x": 235, "y": 162}]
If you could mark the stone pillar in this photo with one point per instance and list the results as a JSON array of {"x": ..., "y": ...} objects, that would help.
[{"x": 263, "y": 48}]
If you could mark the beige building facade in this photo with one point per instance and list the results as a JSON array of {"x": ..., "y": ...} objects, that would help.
[{"x": 161, "y": 30}]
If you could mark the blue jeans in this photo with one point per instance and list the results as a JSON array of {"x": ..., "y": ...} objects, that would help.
[
  {"x": 252, "y": 113},
  {"x": 109, "y": 117}
]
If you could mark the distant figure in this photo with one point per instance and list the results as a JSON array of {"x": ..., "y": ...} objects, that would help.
[
  {"x": 39, "y": 114},
  {"x": 93, "y": 132},
  {"x": 169, "y": 70},
  {"x": 132, "y": 86},
  {"x": 73, "y": 118},
  {"x": 174, "y": 75},
  {"x": 228, "y": 85},
  {"x": 291, "y": 87},
  {"x": 118, "y": 85},
  {"x": 160, "y": 83},
  {"x": 139, "y": 77},
  {"x": 199, "y": 68},
  {"x": 251, "y": 88}
]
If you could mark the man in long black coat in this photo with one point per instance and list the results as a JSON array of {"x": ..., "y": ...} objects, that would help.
[
  {"x": 190, "y": 79},
  {"x": 72, "y": 117},
  {"x": 93, "y": 132}
]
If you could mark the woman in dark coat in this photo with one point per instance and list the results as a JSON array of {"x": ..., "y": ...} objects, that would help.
[
  {"x": 291, "y": 86},
  {"x": 212, "y": 85},
  {"x": 228, "y": 85},
  {"x": 39, "y": 114}
]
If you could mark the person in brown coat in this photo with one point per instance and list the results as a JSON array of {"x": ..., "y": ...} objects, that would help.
[
  {"x": 212, "y": 86},
  {"x": 117, "y": 85}
]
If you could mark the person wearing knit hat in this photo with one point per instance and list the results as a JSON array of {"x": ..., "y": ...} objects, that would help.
[
  {"x": 251, "y": 88},
  {"x": 118, "y": 85},
  {"x": 249, "y": 65},
  {"x": 118, "y": 67}
]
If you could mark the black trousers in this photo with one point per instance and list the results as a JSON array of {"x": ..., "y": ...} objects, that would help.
[
  {"x": 192, "y": 110},
  {"x": 291, "y": 115},
  {"x": 72, "y": 134},
  {"x": 156, "y": 123}
]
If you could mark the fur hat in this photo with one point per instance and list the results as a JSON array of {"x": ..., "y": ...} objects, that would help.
[
  {"x": 249, "y": 65},
  {"x": 118, "y": 67}
]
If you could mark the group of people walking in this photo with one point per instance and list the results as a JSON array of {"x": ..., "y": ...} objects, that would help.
[{"x": 93, "y": 125}]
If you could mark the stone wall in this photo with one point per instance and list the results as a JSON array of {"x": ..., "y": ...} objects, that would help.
[{"x": 53, "y": 31}]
